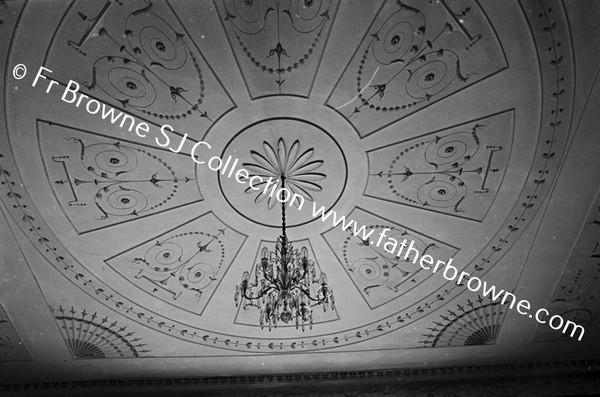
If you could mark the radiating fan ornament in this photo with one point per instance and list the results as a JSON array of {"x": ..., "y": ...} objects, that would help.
[
  {"x": 88, "y": 339},
  {"x": 471, "y": 325},
  {"x": 298, "y": 169}
]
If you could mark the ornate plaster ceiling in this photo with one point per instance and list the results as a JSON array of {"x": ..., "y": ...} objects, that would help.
[{"x": 451, "y": 122}]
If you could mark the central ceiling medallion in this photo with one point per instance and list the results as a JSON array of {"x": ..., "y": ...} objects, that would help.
[
  {"x": 310, "y": 159},
  {"x": 299, "y": 170}
]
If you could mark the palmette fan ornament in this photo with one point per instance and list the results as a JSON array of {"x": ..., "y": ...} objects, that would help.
[{"x": 286, "y": 286}]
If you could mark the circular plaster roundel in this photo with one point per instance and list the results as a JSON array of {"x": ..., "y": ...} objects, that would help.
[{"x": 312, "y": 162}]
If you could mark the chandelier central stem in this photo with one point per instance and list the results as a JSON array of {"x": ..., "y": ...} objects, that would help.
[
  {"x": 284, "y": 253},
  {"x": 283, "y": 208}
]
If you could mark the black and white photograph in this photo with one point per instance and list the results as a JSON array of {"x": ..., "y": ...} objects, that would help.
[{"x": 336, "y": 198}]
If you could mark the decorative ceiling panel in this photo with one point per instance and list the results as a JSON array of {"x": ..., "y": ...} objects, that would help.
[
  {"x": 278, "y": 45},
  {"x": 100, "y": 181},
  {"x": 184, "y": 266},
  {"x": 138, "y": 56},
  {"x": 377, "y": 272},
  {"x": 414, "y": 54},
  {"x": 449, "y": 123},
  {"x": 456, "y": 171}
]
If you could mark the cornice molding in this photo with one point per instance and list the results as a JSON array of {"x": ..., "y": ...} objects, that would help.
[{"x": 544, "y": 373}]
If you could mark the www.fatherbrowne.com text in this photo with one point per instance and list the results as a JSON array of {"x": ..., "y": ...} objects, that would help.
[{"x": 402, "y": 249}]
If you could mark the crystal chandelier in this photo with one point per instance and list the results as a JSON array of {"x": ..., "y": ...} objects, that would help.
[{"x": 286, "y": 286}]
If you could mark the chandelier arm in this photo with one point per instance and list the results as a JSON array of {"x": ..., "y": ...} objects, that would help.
[
  {"x": 310, "y": 297},
  {"x": 260, "y": 295},
  {"x": 303, "y": 274},
  {"x": 270, "y": 280}
]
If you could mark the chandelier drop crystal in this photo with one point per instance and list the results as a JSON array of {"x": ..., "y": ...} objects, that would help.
[{"x": 286, "y": 285}]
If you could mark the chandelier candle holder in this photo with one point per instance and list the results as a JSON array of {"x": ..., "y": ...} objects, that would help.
[{"x": 286, "y": 286}]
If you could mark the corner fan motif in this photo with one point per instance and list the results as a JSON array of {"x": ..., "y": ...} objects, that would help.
[
  {"x": 90, "y": 336},
  {"x": 471, "y": 324}
]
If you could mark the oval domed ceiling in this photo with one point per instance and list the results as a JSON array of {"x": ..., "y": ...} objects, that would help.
[{"x": 445, "y": 122}]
